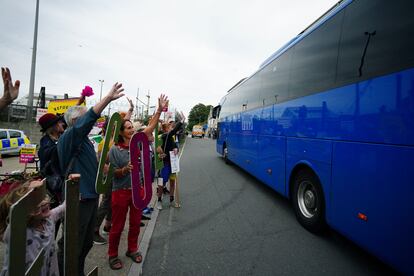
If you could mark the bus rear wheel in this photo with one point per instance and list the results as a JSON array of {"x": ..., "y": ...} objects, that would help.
[
  {"x": 226, "y": 156},
  {"x": 308, "y": 201}
]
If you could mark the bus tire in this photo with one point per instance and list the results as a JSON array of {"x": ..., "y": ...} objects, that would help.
[
  {"x": 308, "y": 201},
  {"x": 226, "y": 156}
]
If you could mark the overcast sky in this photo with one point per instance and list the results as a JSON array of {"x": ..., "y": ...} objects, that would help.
[{"x": 193, "y": 51}]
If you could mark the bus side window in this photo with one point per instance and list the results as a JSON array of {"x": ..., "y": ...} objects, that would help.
[
  {"x": 314, "y": 60},
  {"x": 391, "y": 43}
]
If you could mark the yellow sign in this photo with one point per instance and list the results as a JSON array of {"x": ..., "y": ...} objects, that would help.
[
  {"x": 28, "y": 150},
  {"x": 61, "y": 106},
  {"x": 27, "y": 154}
]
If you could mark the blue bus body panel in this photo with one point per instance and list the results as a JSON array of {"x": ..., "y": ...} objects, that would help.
[
  {"x": 377, "y": 181},
  {"x": 271, "y": 162}
]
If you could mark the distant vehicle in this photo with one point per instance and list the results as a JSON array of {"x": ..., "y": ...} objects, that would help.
[
  {"x": 197, "y": 131},
  {"x": 12, "y": 140},
  {"x": 328, "y": 122}
]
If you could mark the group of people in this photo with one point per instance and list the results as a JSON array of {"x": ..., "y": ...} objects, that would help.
[{"x": 65, "y": 149}]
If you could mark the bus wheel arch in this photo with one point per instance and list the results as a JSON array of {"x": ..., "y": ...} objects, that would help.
[{"x": 307, "y": 197}]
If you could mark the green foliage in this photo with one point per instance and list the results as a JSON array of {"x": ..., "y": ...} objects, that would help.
[{"x": 198, "y": 115}]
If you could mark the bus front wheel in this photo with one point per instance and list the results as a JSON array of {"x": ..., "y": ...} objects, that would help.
[{"x": 308, "y": 201}]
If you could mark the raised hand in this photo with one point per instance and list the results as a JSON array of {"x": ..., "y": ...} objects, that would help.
[
  {"x": 11, "y": 92},
  {"x": 162, "y": 102},
  {"x": 115, "y": 92},
  {"x": 182, "y": 117},
  {"x": 131, "y": 105}
]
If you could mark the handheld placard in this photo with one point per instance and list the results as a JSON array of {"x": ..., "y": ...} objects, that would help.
[
  {"x": 141, "y": 194},
  {"x": 102, "y": 183},
  {"x": 159, "y": 164}
]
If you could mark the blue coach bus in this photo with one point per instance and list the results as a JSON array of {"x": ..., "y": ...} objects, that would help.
[{"x": 328, "y": 121}]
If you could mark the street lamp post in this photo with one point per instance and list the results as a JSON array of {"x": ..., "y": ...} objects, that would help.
[
  {"x": 100, "y": 95},
  {"x": 33, "y": 68},
  {"x": 148, "y": 96}
]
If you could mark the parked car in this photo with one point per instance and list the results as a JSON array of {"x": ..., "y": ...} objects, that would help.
[{"x": 12, "y": 140}]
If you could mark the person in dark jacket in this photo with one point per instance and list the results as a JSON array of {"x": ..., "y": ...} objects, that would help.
[
  {"x": 74, "y": 143},
  {"x": 168, "y": 144},
  {"x": 52, "y": 127}
]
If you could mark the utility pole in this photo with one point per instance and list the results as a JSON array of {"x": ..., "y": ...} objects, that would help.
[
  {"x": 148, "y": 101},
  {"x": 100, "y": 95},
  {"x": 33, "y": 68},
  {"x": 136, "y": 105}
]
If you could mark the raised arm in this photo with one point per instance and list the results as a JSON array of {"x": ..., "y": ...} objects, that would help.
[
  {"x": 11, "y": 92},
  {"x": 162, "y": 103},
  {"x": 130, "y": 110},
  {"x": 114, "y": 94}
]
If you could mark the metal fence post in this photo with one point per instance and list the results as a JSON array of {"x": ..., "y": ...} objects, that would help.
[{"x": 71, "y": 232}]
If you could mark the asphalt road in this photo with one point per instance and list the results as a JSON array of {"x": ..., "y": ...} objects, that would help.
[{"x": 232, "y": 224}]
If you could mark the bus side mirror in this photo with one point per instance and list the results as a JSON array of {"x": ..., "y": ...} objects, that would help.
[{"x": 216, "y": 112}]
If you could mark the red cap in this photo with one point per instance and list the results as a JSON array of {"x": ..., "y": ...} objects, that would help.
[{"x": 48, "y": 120}]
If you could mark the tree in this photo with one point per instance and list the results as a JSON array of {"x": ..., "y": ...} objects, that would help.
[{"x": 198, "y": 115}]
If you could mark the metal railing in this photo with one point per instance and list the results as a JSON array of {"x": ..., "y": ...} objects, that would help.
[{"x": 18, "y": 113}]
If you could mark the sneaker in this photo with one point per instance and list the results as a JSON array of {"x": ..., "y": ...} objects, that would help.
[
  {"x": 159, "y": 205},
  {"x": 98, "y": 239},
  {"x": 165, "y": 190},
  {"x": 106, "y": 230}
]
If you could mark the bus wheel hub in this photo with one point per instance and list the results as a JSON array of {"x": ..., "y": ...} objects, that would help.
[{"x": 309, "y": 199}]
